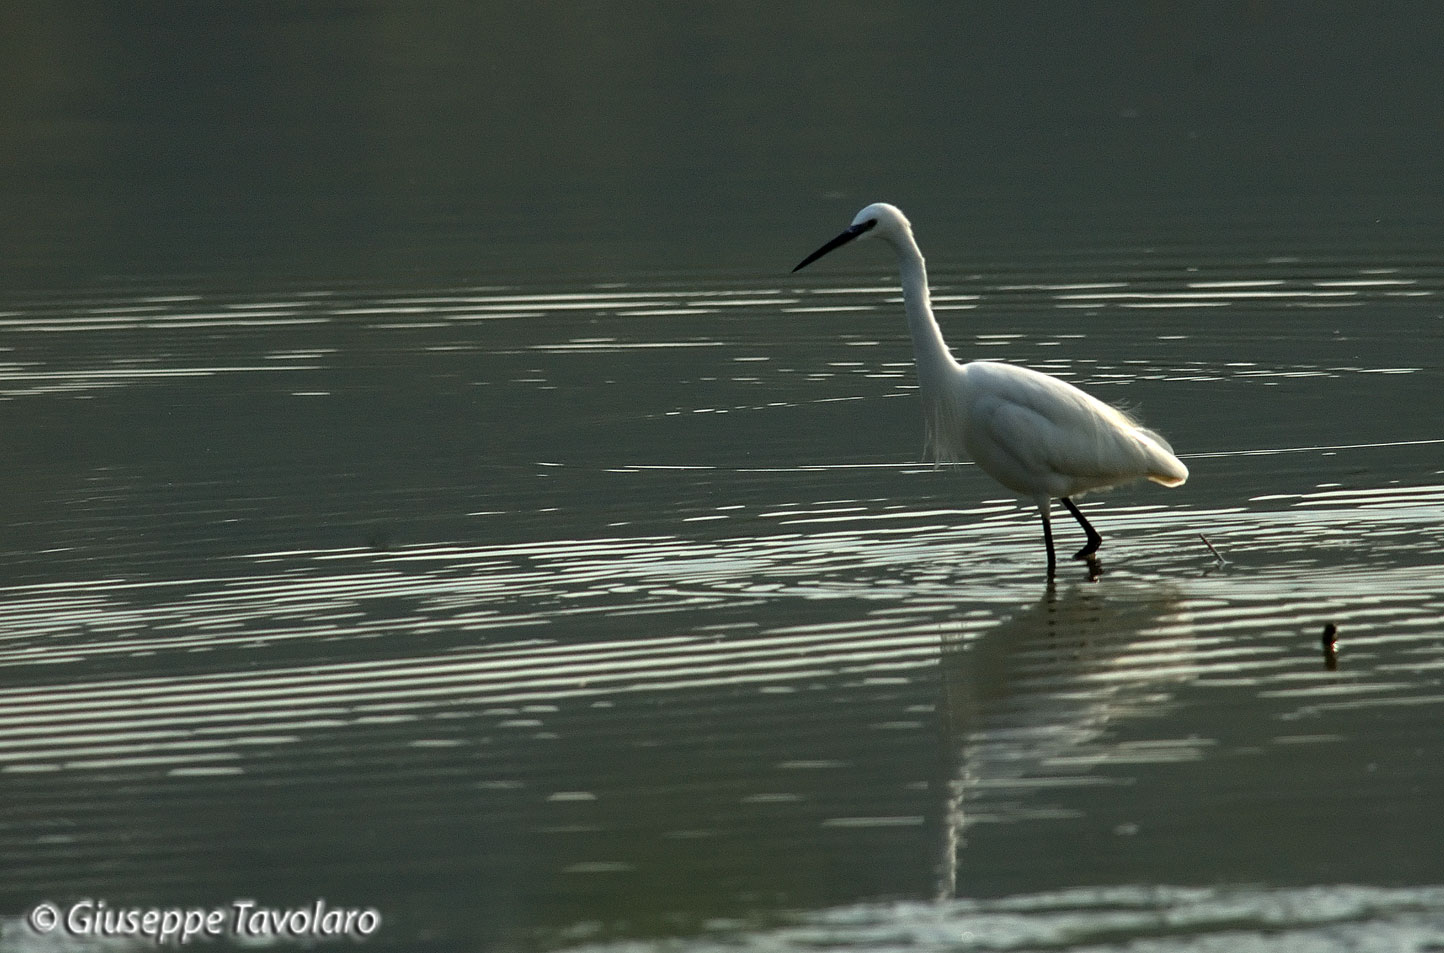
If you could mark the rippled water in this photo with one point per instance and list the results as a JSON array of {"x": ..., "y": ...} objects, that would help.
[
  {"x": 551, "y": 616},
  {"x": 1144, "y": 918}
]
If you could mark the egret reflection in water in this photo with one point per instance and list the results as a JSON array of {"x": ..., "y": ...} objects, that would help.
[{"x": 1032, "y": 704}]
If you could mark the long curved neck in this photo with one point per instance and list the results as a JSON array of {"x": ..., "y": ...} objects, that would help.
[{"x": 929, "y": 349}]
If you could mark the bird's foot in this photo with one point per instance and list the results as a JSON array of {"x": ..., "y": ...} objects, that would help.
[{"x": 1095, "y": 568}]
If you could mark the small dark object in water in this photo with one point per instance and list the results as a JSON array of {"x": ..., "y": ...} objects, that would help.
[
  {"x": 1330, "y": 641},
  {"x": 1216, "y": 555}
]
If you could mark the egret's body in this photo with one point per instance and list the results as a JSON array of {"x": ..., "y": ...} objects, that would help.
[{"x": 1038, "y": 436}]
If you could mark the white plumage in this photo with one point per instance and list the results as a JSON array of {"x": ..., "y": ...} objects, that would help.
[{"x": 1038, "y": 436}]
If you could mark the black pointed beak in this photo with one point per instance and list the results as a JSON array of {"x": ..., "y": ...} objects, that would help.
[{"x": 848, "y": 235}]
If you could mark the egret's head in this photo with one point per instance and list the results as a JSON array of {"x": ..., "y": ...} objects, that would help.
[{"x": 879, "y": 218}]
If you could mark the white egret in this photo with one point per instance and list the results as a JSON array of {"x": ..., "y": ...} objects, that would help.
[{"x": 1036, "y": 435}]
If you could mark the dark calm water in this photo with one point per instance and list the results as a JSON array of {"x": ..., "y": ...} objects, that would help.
[{"x": 505, "y": 541}]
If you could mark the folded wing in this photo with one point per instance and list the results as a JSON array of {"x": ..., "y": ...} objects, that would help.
[{"x": 1036, "y": 434}]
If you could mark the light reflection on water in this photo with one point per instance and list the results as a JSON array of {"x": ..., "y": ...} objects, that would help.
[
  {"x": 1165, "y": 918},
  {"x": 619, "y": 305},
  {"x": 544, "y": 589}
]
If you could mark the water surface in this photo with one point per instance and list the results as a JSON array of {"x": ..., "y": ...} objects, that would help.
[
  {"x": 426, "y": 488},
  {"x": 539, "y": 616}
]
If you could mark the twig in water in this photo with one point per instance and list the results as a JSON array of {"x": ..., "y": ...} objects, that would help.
[{"x": 1221, "y": 560}]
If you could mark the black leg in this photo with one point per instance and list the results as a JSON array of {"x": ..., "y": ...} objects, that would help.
[
  {"x": 1094, "y": 540},
  {"x": 1048, "y": 536}
]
